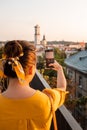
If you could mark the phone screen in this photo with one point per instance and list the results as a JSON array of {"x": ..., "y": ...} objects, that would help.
[{"x": 49, "y": 56}]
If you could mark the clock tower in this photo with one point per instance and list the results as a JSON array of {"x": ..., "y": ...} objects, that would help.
[{"x": 37, "y": 35}]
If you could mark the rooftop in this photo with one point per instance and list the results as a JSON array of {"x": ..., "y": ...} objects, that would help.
[{"x": 78, "y": 61}]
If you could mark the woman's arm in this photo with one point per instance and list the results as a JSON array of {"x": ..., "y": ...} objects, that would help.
[{"x": 61, "y": 80}]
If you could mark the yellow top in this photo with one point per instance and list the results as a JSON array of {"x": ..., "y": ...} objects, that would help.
[{"x": 32, "y": 113}]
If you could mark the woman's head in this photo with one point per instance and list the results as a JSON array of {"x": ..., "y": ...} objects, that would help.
[{"x": 24, "y": 51}]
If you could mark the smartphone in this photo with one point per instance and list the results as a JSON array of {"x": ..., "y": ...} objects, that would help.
[{"x": 49, "y": 57}]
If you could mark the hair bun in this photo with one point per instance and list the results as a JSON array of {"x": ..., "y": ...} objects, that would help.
[{"x": 13, "y": 49}]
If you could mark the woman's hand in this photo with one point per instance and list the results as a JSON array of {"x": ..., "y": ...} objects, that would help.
[{"x": 56, "y": 66}]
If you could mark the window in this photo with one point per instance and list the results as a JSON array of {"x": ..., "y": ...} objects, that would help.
[
  {"x": 80, "y": 81},
  {"x": 79, "y": 95},
  {"x": 70, "y": 74}
]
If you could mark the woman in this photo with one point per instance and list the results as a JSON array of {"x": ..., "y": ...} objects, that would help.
[{"x": 22, "y": 107}]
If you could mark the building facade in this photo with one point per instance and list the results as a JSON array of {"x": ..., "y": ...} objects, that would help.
[
  {"x": 76, "y": 66},
  {"x": 77, "y": 71}
]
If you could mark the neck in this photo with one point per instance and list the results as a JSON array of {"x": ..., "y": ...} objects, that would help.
[
  {"x": 16, "y": 90},
  {"x": 15, "y": 85}
]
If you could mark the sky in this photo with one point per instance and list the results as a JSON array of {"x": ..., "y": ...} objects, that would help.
[{"x": 58, "y": 19}]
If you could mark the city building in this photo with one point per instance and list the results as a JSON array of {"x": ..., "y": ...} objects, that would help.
[
  {"x": 77, "y": 71},
  {"x": 76, "y": 66}
]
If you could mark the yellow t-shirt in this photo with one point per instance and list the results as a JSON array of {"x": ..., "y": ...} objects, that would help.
[{"x": 33, "y": 113}]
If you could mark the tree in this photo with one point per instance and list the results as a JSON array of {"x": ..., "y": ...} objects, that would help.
[
  {"x": 40, "y": 63},
  {"x": 59, "y": 56}
]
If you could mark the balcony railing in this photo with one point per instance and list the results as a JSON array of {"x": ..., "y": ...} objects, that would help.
[{"x": 65, "y": 120}]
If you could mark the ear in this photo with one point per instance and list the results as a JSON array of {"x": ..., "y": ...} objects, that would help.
[{"x": 30, "y": 70}]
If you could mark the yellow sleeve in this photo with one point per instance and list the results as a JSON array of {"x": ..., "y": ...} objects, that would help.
[{"x": 58, "y": 96}]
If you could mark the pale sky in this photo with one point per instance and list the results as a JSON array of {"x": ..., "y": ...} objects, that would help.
[{"x": 58, "y": 19}]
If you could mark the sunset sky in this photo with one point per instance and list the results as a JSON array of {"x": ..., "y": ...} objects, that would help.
[{"x": 58, "y": 19}]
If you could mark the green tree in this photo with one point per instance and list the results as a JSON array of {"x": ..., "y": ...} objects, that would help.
[
  {"x": 40, "y": 63},
  {"x": 59, "y": 56}
]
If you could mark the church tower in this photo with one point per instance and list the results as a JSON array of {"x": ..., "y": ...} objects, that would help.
[
  {"x": 37, "y": 35},
  {"x": 44, "y": 42}
]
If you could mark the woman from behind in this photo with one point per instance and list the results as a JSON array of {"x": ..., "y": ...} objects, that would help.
[{"x": 22, "y": 107}]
